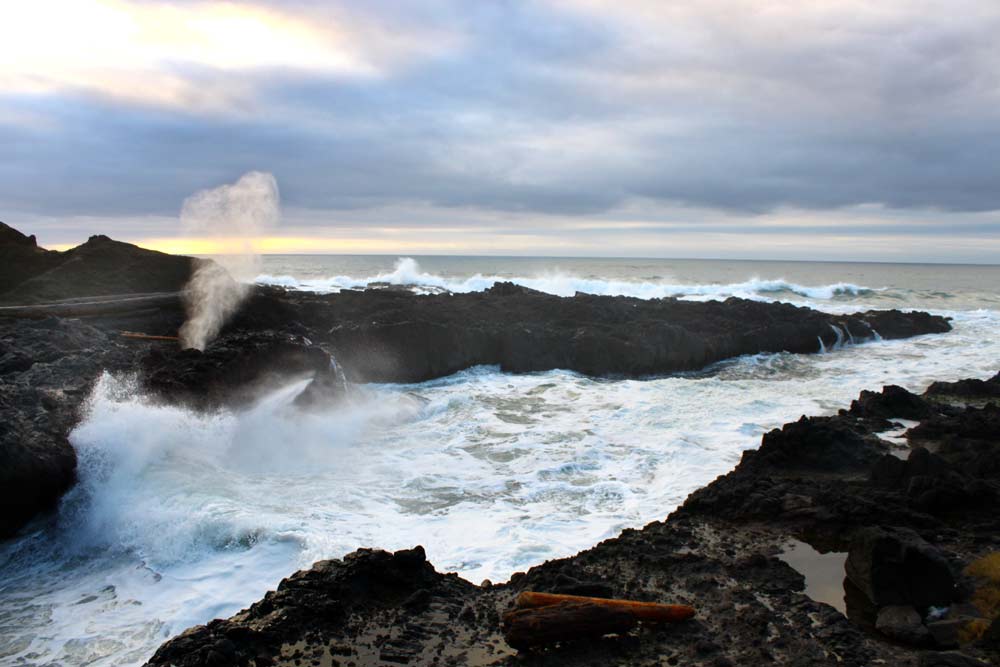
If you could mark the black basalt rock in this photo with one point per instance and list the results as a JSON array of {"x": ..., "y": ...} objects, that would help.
[
  {"x": 363, "y": 582},
  {"x": 817, "y": 443},
  {"x": 236, "y": 368},
  {"x": 47, "y": 368},
  {"x": 972, "y": 387},
  {"x": 895, "y": 566},
  {"x": 893, "y": 401}
]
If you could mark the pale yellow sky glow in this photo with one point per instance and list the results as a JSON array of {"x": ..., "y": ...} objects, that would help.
[
  {"x": 636, "y": 242},
  {"x": 634, "y": 231}
]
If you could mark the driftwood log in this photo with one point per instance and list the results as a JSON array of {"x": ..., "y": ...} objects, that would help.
[
  {"x": 539, "y": 619},
  {"x": 527, "y": 628},
  {"x": 651, "y": 612},
  {"x": 142, "y": 336}
]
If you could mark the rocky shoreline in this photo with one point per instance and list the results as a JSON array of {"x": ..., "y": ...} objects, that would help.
[
  {"x": 909, "y": 520},
  {"x": 62, "y": 313},
  {"x": 837, "y": 483}
]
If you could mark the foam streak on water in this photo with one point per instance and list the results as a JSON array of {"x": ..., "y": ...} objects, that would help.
[
  {"x": 179, "y": 517},
  {"x": 408, "y": 273}
]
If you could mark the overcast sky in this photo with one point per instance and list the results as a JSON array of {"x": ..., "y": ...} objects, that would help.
[{"x": 810, "y": 129}]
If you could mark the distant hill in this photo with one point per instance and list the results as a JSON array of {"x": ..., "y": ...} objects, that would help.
[{"x": 99, "y": 267}]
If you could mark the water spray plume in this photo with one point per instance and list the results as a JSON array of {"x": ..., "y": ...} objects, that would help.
[{"x": 238, "y": 212}]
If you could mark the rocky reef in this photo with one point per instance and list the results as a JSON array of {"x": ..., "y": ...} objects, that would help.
[
  {"x": 62, "y": 314},
  {"x": 396, "y": 336},
  {"x": 912, "y": 523}
]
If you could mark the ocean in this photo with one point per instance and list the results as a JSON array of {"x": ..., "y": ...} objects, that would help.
[{"x": 180, "y": 517}]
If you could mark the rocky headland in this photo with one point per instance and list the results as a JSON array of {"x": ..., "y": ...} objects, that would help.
[{"x": 830, "y": 482}]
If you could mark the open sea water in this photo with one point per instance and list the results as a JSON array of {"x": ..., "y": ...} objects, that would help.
[{"x": 181, "y": 517}]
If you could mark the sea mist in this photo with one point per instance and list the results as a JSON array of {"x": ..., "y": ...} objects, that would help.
[{"x": 236, "y": 214}]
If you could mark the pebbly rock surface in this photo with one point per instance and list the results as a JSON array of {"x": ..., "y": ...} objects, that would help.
[{"x": 909, "y": 601}]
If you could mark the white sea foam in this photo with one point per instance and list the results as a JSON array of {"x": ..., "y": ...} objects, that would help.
[
  {"x": 407, "y": 273},
  {"x": 182, "y": 517}
]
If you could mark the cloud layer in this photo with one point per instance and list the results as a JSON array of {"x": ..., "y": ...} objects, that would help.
[{"x": 511, "y": 115}]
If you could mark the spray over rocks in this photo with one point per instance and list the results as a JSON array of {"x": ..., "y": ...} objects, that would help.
[{"x": 234, "y": 214}]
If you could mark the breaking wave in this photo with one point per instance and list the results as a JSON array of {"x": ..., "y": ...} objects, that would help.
[{"x": 407, "y": 273}]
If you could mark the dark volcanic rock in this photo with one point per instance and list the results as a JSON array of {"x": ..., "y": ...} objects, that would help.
[
  {"x": 40, "y": 396},
  {"x": 48, "y": 367},
  {"x": 236, "y": 368},
  {"x": 902, "y": 623},
  {"x": 393, "y": 336},
  {"x": 968, "y": 388},
  {"x": 895, "y": 324},
  {"x": 36, "y": 467},
  {"x": 892, "y": 402},
  {"x": 930, "y": 483},
  {"x": 950, "y": 659},
  {"x": 364, "y": 582},
  {"x": 334, "y": 610},
  {"x": 969, "y": 440},
  {"x": 945, "y": 633},
  {"x": 817, "y": 443},
  {"x": 895, "y": 566},
  {"x": 101, "y": 267}
]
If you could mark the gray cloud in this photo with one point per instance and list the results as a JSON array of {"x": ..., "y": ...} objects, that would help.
[{"x": 553, "y": 109}]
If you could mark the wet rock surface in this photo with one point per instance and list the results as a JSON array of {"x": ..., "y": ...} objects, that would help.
[
  {"x": 48, "y": 368},
  {"x": 396, "y": 336},
  {"x": 238, "y": 367},
  {"x": 907, "y": 596}
]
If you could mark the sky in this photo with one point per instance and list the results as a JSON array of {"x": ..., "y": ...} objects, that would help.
[{"x": 781, "y": 129}]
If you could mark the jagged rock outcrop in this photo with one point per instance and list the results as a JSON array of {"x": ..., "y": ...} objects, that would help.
[
  {"x": 47, "y": 368},
  {"x": 237, "y": 368}
]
